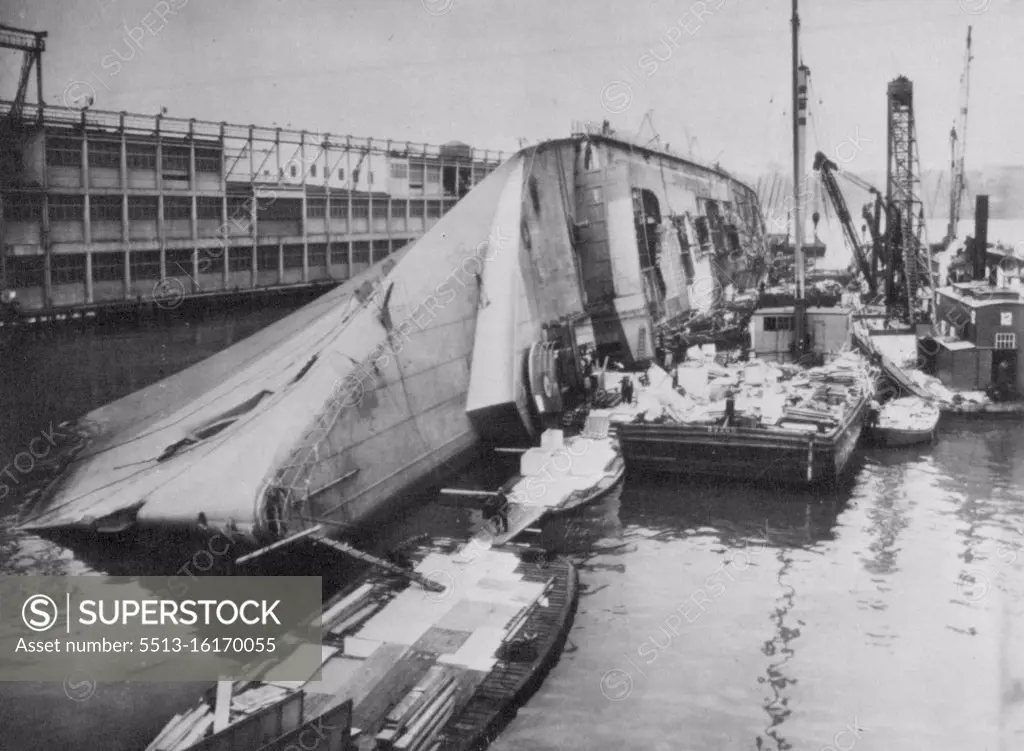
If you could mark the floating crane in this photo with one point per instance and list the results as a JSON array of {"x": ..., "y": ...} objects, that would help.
[
  {"x": 828, "y": 170},
  {"x": 957, "y": 147}
]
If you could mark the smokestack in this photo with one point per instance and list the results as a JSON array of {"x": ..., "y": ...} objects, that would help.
[{"x": 980, "y": 237}]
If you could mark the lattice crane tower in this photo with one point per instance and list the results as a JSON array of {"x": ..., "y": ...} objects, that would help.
[{"x": 903, "y": 194}]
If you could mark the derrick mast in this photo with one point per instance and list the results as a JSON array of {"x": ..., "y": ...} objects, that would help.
[
  {"x": 910, "y": 263},
  {"x": 958, "y": 145}
]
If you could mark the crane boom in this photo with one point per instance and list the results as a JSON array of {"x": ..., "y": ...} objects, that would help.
[{"x": 827, "y": 169}]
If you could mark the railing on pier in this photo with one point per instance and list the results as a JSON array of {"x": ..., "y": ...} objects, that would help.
[{"x": 151, "y": 125}]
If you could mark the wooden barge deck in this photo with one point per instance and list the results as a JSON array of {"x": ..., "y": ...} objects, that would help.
[{"x": 407, "y": 668}]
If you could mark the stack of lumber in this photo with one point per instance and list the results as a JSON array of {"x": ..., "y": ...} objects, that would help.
[
  {"x": 261, "y": 696},
  {"x": 183, "y": 730},
  {"x": 414, "y": 722},
  {"x": 351, "y": 611}
]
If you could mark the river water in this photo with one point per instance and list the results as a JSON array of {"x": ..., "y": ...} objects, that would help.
[{"x": 885, "y": 614}]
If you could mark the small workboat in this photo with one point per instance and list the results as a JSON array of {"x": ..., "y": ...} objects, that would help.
[
  {"x": 559, "y": 476},
  {"x": 905, "y": 422}
]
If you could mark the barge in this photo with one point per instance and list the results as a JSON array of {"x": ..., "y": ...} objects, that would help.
[
  {"x": 404, "y": 667},
  {"x": 810, "y": 440}
]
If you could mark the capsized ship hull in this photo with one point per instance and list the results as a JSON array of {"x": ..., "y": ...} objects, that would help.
[{"x": 330, "y": 415}]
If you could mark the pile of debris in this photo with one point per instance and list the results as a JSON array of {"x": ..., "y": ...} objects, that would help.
[
  {"x": 933, "y": 388},
  {"x": 762, "y": 394}
]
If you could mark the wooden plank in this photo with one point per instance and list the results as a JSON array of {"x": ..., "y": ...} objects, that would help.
[
  {"x": 439, "y": 690},
  {"x": 188, "y": 721},
  {"x": 197, "y": 732},
  {"x": 279, "y": 544},
  {"x": 339, "y": 607},
  {"x": 436, "y": 679},
  {"x": 222, "y": 709},
  {"x": 171, "y": 725},
  {"x": 371, "y": 711},
  {"x": 349, "y": 550}
]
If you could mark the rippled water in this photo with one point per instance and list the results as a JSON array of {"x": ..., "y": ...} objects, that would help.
[{"x": 887, "y": 614}]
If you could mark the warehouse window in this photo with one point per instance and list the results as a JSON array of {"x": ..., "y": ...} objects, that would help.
[
  {"x": 339, "y": 253},
  {"x": 141, "y": 155},
  {"x": 145, "y": 264},
  {"x": 416, "y": 178},
  {"x": 142, "y": 207},
  {"x": 105, "y": 154},
  {"x": 22, "y": 208},
  {"x": 24, "y": 271},
  {"x": 316, "y": 208},
  {"x": 208, "y": 207},
  {"x": 175, "y": 159},
  {"x": 67, "y": 269},
  {"x": 360, "y": 210},
  {"x": 341, "y": 174},
  {"x": 208, "y": 161},
  {"x": 360, "y": 252},
  {"x": 317, "y": 256},
  {"x": 416, "y": 209},
  {"x": 266, "y": 257},
  {"x": 239, "y": 207},
  {"x": 66, "y": 208},
  {"x": 339, "y": 208},
  {"x": 179, "y": 262},
  {"x": 1006, "y": 341},
  {"x": 108, "y": 267},
  {"x": 399, "y": 170},
  {"x": 292, "y": 256},
  {"x": 433, "y": 174},
  {"x": 240, "y": 260},
  {"x": 433, "y": 209},
  {"x": 63, "y": 152},
  {"x": 380, "y": 210},
  {"x": 177, "y": 208},
  {"x": 285, "y": 209},
  {"x": 105, "y": 208}
]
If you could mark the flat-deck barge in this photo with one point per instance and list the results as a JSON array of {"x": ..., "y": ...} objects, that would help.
[
  {"x": 808, "y": 440},
  {"x": 406, "y": 667}
]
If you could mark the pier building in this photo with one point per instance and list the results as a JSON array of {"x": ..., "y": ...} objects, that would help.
[{"x": 111, "y": 209}]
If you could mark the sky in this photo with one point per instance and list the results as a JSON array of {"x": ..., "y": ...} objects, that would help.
[{"x": 711, "y": 78}]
